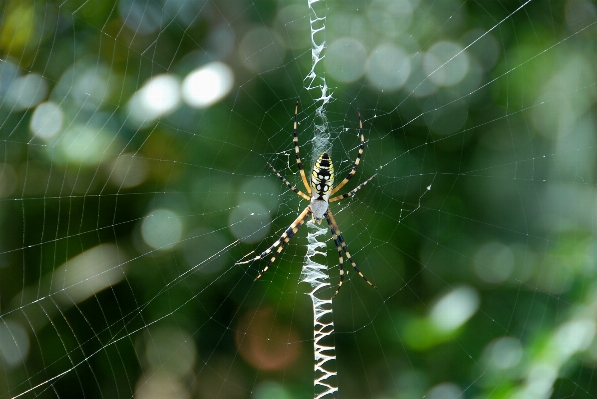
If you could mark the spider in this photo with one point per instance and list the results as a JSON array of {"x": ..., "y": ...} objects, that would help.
[{"x": 318, "y": 195}]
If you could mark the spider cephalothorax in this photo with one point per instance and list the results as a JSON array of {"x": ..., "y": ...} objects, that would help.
[{"x": 319, "y": 192}]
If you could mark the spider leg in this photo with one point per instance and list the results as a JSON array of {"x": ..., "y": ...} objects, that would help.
[
  {"x": 296, "y": 150},
  {"x": 281, "y": 242},
  {"x": 288, "y": 234},
  {"x": 340, "y": 257},
  {"x": 290, "y": 186},
  {"x": 352, "y": 192},
  {"x": 342, "y": 245},
  {"x": 357, "y": 161}
]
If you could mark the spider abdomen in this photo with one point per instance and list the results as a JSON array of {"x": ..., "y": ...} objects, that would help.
[
  {"x": 322, "y": 178},
  {"x": 322, "y": 181},
  {"x": 319, "y": 208}
]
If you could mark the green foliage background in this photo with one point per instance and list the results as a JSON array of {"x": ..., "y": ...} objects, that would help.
[{"x": 512, "y": 194}]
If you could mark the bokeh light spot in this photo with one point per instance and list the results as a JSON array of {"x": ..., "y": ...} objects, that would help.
[
  {"x": 161, "y": 229},
  {"x": 265, "y": 191},
  {"x": 494, "y": 262},
  {"x": 14, "y": 343},
  {"x": 554, "y": 119},
  {"x": 86, "y": 85},
  {"x": 92, "y": 84},
  {"x": 27, "y": 91},
  {"x": 503, "y": 353},
  {"x": 446, "y": 64},
  {"x": 47, "y": 120},
  {"x": 88, "y": 273},
  {"x": 249, "y": 221},
  {"x": 159, "y": 96},
  {"x": 266, "y": 343},
  {"x": 485, "y": 48},
  {"x": 207, "y": 85},
  {"x": 444, "y": 118},
  {"x": 8, "y": 73},
  {"x": 541, "y": 377},
  {"x": 202, "y": 251},
  {"x": 141, "y": 17},
  {"x": 85, "y": 144},
  {"x": 388, "y": 67},
  {"x": 390, "y": 17},
  {"x": 171, "y": 349},
  {"x": 184, "y": 11},
  {"x": 580, "y": 13},
  {"x": 574, "y": 336},
  {"x": 418, "y": 84},
  {"x": 293, "y": 25},
  {"x": 446, "y": 390},
  {"x": 555, "y": 274},
  {"x": 271, "y": 390},
  {"x": 455, "y": 308},
  {"x": 261, "y": 50},
  {"x": 345, "y": 59},
  {"x": 161, "y": 385},
  {"x": 128, "y": 170}
]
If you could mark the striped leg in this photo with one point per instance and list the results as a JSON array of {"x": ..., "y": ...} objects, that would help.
[
  {"x": 339, "y": 248},
  {"x": 281, "y": 242},
  {"x": 357, "y": 161},
  {"x": 340, "y": 244},
  {"x": 351, "y": 193},
  {"x": 288, "y": 234},
  {"x": 296, "y": 150},
  {"x": 290, "y": 186}
]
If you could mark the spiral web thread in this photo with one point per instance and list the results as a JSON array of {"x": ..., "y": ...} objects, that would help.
[{"x": 314, "y": 273}]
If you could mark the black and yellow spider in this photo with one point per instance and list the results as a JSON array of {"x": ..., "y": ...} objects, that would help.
[{"x": 322, "y": 186}]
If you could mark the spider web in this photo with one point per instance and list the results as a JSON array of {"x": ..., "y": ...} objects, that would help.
[{"x": 134, "y": 144}]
